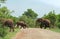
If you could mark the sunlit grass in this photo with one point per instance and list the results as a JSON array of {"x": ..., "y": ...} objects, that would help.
[
  {"x": 0, "y": 37},
  {"x": 11, "y": 34},
  {"x": 55, "y": 30}
]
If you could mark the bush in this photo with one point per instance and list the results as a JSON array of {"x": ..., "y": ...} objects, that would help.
[
  {"x": 30, "y": 22},
  {"x": 3, "y": 31},
  {"x": 58, "y": 25}
]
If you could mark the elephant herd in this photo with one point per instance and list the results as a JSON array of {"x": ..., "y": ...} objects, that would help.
[{"x": 9, "y": 23}]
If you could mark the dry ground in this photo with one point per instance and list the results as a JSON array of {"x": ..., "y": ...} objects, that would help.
[{"x": 36, "y": 33}]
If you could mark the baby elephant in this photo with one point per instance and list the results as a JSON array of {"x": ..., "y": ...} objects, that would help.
[
  {"x": 22, "y": 24},
  {"x": 9, "y": 23}
]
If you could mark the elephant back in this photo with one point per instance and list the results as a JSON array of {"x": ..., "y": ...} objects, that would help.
[{"x": 48, "y": 21}]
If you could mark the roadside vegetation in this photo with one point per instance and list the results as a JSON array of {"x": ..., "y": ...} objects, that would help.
[{"x": 29, "y": 17}]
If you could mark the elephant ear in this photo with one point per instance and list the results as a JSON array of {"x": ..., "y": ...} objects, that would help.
[
  {"x": 48, "y": 20},
  {"x": 38, "y": 20},
  {"x": 41, "y": 19}
]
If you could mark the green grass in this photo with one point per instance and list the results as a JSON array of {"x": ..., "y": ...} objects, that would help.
[
  {"x": 55, "y": 30},
  {"x": 0, "y": 37},
  {"x": 11, "y": 34}
]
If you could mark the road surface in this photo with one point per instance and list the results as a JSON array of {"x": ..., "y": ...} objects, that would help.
[{"x": 36, "y": 33}]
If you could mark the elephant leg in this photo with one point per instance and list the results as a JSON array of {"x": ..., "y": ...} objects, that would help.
[
  {"x": 21, "y": 27},
  {"x": 41, "y": 27},
  {"x": 24, "y": 27},
  {"x": 49, "y": 27},
  {"x": 45, "y": 26},
  {"x": 13, "y": 29},
  {"x": 17, "y": 26},
  {"x": 10, "y": 30}
]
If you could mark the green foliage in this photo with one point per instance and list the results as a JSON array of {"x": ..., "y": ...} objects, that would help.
[
  {"x": 23, "y": 17},
  {"x": 58, "y": 18},
  {"x": 11, "y": 34},
  {"x": 29, "y": 17},
  {"x": 2, "y": 1},
  {"x": 15, "y": 19},
  {"x": 55, "y": 29},
  {"x": 4, "y": 12},
  {"x": 51, "y": 16},
  {"x": 30, "y": 22},
  {"x": 30, "y": 14},
  {"x": 58, "y": 25},
  {"x": 2, "y": 31},
  {"x": 55, "y": 19}
]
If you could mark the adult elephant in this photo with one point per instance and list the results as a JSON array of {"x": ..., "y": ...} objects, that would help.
[
  {"x": 22, "y": 24},
  {"x": 43, "y": 23},
  {"x": 9, "y": 23}
]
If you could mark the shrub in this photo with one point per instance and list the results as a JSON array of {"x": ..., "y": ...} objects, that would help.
[
  {"x": 3, "y": 31},
  {"x": 58, "y": 25}
]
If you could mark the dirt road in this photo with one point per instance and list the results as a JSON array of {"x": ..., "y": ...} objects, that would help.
[{"x": 36, "y": 33}]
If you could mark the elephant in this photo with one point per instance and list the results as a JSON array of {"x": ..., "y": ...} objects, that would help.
[
  {"x": 43, "y": 23},
  {"x": 9, "y": 23},
  {"x": 22, "y": 24}
]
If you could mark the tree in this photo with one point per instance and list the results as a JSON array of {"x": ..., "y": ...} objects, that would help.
[
  {"x": 29, "y": 17},
  {"x": 51, "y": 16},
  {"x": 4, "y": 12},
  {"x": 30, "y": 22},
  {"x": 30, "y": 14},
  {"x": 58, "y": 21},
  {"x": 2, "y": 1},
  {"x": 58, "y": 18},
  {"x": 2, "y": 31}
]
